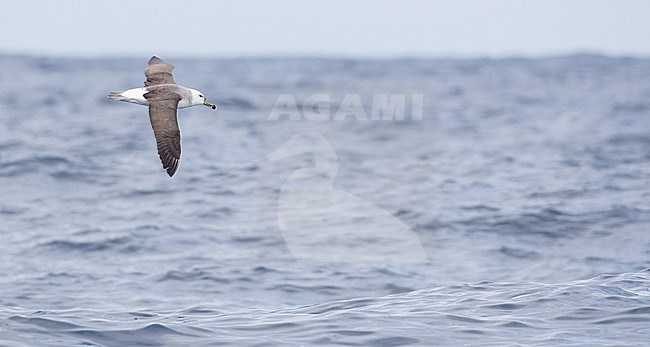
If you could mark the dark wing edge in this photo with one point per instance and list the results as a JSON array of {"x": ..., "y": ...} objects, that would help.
[
  {"x": 158, "y": 72},
  {"x": 162, "y": 113}
]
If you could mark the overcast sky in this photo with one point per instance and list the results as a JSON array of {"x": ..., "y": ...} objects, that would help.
[{"x": 390, "y": 28}]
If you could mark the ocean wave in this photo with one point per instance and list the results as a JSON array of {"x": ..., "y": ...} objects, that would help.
[{"x": 482, "y": 314}]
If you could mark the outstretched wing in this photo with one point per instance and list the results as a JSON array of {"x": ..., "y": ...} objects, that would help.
[
  {"x": 158, "y": 72},
  {"x": 162, "y": 113}
]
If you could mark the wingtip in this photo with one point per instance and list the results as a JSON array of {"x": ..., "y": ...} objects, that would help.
[
  {"x": 155, "y": 60},
  {"x": 172, "y": 168}
]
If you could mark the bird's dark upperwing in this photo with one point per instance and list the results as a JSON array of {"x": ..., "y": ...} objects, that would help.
[
  {"x": 158, "y": 72},
  {"x": 162, "y": 113}
]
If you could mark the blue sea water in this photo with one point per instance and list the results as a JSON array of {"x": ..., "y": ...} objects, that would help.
[{"x": 515, "y": 212}]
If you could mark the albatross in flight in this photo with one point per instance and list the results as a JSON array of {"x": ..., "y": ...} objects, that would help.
[{"x": 164, "y": 97}]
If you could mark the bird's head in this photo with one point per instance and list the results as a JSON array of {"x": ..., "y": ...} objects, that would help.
[{"x": 199, "y": 99}]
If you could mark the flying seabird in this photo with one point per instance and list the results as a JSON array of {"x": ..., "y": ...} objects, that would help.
[{"x": 164, "y": 97}]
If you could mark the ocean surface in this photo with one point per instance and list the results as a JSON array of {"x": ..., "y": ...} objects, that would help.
[{"x": 508, "y": 204}]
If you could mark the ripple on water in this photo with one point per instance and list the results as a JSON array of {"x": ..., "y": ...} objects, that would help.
[{"x": 498, "y": 312}]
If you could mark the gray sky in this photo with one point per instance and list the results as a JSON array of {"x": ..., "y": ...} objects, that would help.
[{"x": 388, "y": 28}]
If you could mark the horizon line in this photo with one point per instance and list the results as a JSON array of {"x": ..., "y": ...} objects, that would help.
[{"x": 331, "y": 56}]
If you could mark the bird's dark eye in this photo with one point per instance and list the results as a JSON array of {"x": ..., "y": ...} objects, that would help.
[{"x": 200, "y": 96}]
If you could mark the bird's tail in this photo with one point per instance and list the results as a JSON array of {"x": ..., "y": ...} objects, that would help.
[{"x": 115, "y": 96}]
